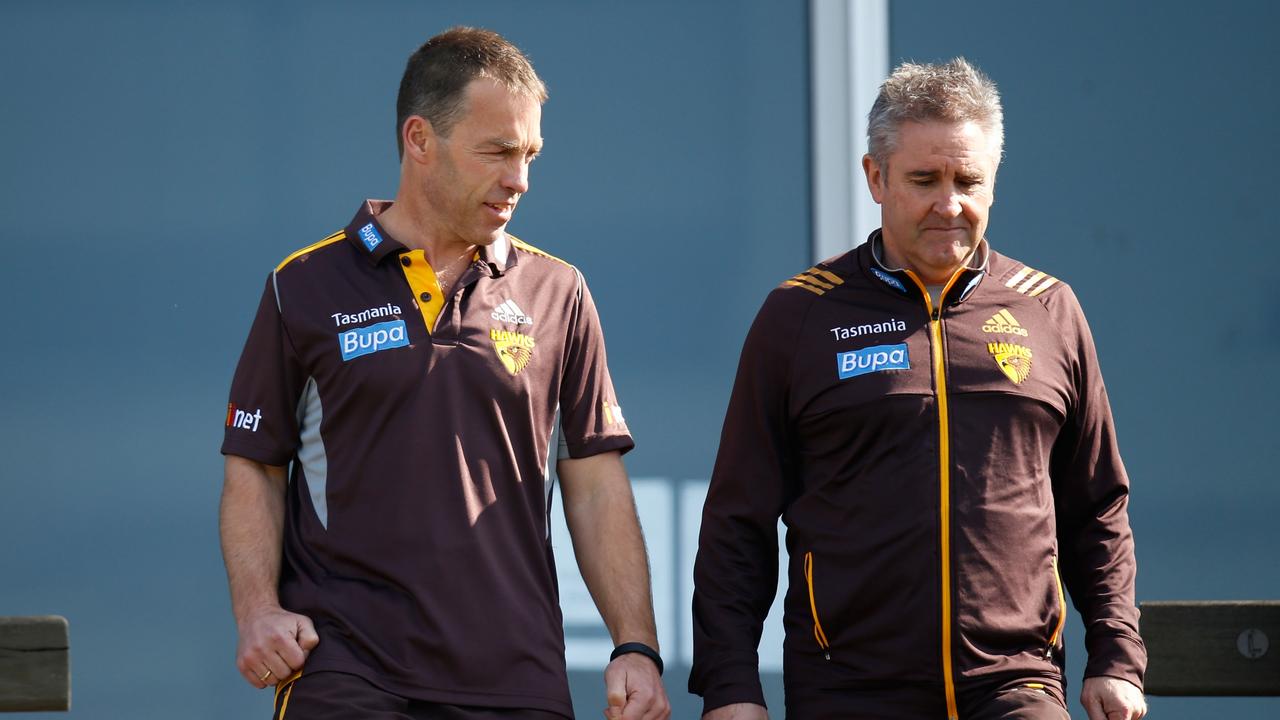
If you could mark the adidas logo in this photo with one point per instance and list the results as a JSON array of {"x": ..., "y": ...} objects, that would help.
[
  {"x": 510, "y": 312},
  {"x": 1003, "y": 323}
]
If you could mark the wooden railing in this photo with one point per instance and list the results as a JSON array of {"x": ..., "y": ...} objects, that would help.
[
  {"x": 1212, "y": 648},
  {"x": 35, "y": 667}
]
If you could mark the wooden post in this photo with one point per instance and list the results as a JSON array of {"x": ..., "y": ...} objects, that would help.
[
  {"x": 1212, "y": 648},
  {"x": 35, "y": 670}
]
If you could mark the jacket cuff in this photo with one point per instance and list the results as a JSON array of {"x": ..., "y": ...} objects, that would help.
[
  {"x": 1118, "y": 656},
  {"x": 728, "y": 693}
]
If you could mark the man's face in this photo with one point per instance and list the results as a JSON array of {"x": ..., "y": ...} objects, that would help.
[
  {"x": 934, "y": 196},
  {"x": 477, "y": 174}
]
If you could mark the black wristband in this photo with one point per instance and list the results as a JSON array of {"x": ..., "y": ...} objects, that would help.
[{"x": 639, "y": 649}]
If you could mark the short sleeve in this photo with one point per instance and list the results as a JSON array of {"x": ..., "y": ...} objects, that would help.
[
  {"x": 591, "y": 416},
  {"x": 262, "y": 410}
]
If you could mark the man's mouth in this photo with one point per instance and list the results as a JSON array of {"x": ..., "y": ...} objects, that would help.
[{"x": 503, "y": 210}]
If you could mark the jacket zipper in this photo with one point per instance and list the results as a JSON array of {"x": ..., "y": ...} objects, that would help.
[
  {"x": 944, "y": 482},
  {"x": 1062, "y": 611},
  {"x": 818, "y": 633}
]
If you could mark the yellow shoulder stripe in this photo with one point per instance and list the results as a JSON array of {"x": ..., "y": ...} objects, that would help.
[
  {"x": 517, "y": 242},
  {"x": 815, "y": 280},
  {"x": 1030, "y": 281},
  {"x": 810, "y": 288},
  {"x": 830, "y": 276},
  {"x": 340, "y": 235}
]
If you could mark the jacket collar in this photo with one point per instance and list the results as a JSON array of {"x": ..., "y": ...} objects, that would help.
[{"x": 904, "y": 282}]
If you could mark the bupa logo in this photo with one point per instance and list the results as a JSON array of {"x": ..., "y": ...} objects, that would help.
[
  {"x": 370, "y": 237},
  {"x": 243, "y": 419},
  {"x": 889, "y": 280},
  {"x": 365, "y": 340},
  {"x": 872, "y": 359}
]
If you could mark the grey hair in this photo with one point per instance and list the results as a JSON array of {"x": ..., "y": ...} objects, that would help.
[{"x": 954, "y": 91}]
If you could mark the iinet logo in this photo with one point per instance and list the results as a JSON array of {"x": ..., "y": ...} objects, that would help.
[{"x": 242, "y": 419}]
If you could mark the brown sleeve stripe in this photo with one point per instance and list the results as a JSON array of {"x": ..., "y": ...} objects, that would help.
[
  {"x": 340, "y": 235},
  {"x": 810, "y": 288},
  {"x": 1030, "y": 281},
  {"x": 517, "y": 242}
]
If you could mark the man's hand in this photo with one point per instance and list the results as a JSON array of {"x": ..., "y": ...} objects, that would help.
[
  {"x": 1108, "y": 698},
  {"x": 274, "y": 640},
  {"x": 634, "y": 690},
  {"x": 738, "y": 711}
]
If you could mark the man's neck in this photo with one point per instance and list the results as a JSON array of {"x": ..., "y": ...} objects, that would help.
[{"x": 415, "y": 231}]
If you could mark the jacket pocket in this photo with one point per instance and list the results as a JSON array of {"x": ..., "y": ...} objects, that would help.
[
  {"x": 818, "y": 633},
  {"x": 1056, "y": 634}
]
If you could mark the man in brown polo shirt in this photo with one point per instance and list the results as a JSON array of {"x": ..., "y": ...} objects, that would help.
[
  {"x": 928, "y": 418},
  {"x": 390, "y": 431}
]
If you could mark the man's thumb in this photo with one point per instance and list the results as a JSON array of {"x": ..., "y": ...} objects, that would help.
[
  {"x": 615, "y": 693},
  {"x": 307, "y": 637}
]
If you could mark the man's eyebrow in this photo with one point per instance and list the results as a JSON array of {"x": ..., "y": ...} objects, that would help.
[
  {"x": 512, "y": 145},
  {"x": 921, "y": 173}
]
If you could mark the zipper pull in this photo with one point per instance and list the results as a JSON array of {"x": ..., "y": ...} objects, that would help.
[
  {"x": 826, "y": 654},
  {"x": 1048, "y": 653},
  {"x": 937, "y": 313}
]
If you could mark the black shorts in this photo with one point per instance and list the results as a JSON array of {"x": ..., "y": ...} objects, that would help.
[
  {"x": 341, "y": 696},
  {"x": 1021, "y": 698}
]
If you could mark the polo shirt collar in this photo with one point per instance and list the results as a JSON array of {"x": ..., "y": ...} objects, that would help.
[
  {"x": 367, "y": 234},
  {"x": 499, "y": 257}
]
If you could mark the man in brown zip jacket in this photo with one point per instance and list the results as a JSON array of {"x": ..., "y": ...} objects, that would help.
[{"x": 928, "y": 419}]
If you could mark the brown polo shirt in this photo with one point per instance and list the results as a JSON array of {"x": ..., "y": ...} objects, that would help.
[{"x": 419, "y": 431}]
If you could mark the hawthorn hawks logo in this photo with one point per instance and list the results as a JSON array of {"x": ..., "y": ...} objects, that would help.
[
  {"x": 514, "y": 349},
  {"x": 1014, "y": 360}
]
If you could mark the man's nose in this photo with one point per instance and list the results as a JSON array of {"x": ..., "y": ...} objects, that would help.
[
  {"x": 947, "y": 204},
  {"x": 516, "y": 177}
]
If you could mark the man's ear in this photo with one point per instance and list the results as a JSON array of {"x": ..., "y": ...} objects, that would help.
[
  {"x": 419, "y": 139},
  {"x": 875, "y": 177}
]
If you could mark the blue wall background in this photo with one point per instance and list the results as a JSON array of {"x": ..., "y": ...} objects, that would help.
[{"x": 157, "y": 159}]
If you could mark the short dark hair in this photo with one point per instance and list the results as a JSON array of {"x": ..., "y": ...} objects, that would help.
[{"x": 436, "y": 77}]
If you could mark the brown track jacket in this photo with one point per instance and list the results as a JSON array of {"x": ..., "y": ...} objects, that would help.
[{"x": 942, "y": 475}]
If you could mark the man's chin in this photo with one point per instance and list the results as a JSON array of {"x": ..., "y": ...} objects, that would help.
[{"x": 491, "y": 237}]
